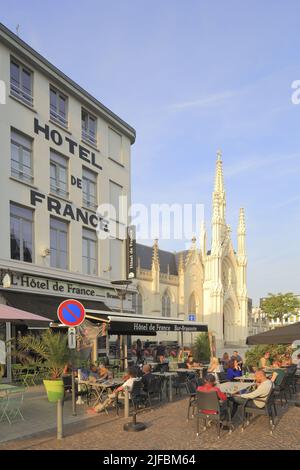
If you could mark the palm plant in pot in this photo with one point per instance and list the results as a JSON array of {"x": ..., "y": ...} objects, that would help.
[{"x": 51, "y": 349}]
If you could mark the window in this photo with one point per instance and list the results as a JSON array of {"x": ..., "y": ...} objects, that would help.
[
  {"x": 117, "y": 223},
  {"x": 137, "y": 303},
  {"x": 58, "y": 174},
  {"x": 21, "y": 82},
  {"x": 58, "y": 107},
  {"x": 166, "y": 305},
  {"x": 21, "y": 233},
  {"x": 116, "y": 259},
  {"x": 21, "y": 156},
  {"x": 115, "y": 199},
  {"x": 89, "y": 127},
  {"x": 115, "y": 145},
  {"x": 192, "y": 304},
  {"x": 89, "y": 188},
  {"x": 58, "y": 243},
  {"x": 89, "y": 251}
]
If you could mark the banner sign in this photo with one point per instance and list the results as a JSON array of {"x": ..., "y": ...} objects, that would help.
[
  {"x": 143, "y": 328},
  {"x": 131, "y": 252}
]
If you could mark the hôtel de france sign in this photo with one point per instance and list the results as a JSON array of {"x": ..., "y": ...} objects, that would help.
[{"x": 57, "y": 206}]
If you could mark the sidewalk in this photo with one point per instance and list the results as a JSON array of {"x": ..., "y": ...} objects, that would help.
[{"x": 40, "y": 416}]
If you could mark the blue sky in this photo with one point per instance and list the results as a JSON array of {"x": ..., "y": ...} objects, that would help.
[{"x": 194, "y": 76}]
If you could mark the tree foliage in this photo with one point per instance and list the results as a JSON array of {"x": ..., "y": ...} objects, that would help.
[
  {"x": 50, "y": 348},
  {"x": 201, "y": 349},
  {"x": 254, "y": 354},
  {"x": 280, "y": 306}
]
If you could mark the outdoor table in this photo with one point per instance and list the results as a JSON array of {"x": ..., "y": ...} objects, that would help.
[
  {"x": 199, "y": 370},
  {"x": 246, "y": 378},
  {"x": 101, "y": 387},
  {"x": 6, "y": 388},
  {"x": 231, "y": 388},
  {"x": 168, "y": 376}
]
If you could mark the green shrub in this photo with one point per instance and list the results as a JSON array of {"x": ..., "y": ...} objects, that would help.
[
  {"x": 201, "y": 349},
  {"x": 254, "y": 354}
]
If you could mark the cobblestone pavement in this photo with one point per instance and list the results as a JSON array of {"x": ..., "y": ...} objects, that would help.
[{"x": 167, "y": 428}]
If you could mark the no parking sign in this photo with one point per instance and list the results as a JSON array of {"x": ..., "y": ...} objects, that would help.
[{"x": 71, "y": 312}]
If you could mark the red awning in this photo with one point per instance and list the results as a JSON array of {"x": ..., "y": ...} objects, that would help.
[{"x": 12, "y": 314}]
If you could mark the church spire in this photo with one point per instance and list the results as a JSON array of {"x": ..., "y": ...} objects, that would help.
[
  {"x": 241, "y": 233},
  {"x": 219, "y": 189},
  {"x": 155, "y": 267},
  {"x": 219, "y": 178},
  {"x": 155, "y": 256}
]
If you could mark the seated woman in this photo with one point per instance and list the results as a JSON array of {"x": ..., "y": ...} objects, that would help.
[
  {"x": 234, "y": 370},
  {"x": 215, "y": 367},
  {"x": 112, "y": 397},
  {"x": 225, "y": 360},
  {"x": 191, "y": 363}
]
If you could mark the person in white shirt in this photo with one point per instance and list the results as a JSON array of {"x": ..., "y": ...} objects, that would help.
[
  {"x": 258, "y": 397},
  {"x": 128, "y": 384}
]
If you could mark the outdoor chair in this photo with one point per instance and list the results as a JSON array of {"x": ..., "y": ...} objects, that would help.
[
  {"x": 181, "y": 365},
  {"x": 291, "y": 380},
  {"x": 180, "y": 381},
  {"x": 222, "y": 377},
  {"x": 280, "y": 389},
  {"x": 209, "y": 409},
  {"x": 268, "y": 410},
  {"x": 17, "y": 373},
  {"x": 191, "y": 387},
  {"x": 136, "y": 397},
  {"x": 11, "y": 404},
  {"x": 154, "y": 389}
]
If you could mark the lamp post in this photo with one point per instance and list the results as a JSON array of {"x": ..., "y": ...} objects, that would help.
[{"x": 121, "y": 288}]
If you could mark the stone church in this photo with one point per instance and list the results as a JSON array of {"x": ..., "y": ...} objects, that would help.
[{"x": 209, "y": 284}]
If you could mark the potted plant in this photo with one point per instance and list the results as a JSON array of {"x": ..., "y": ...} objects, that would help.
[{"x": 52, "y": 350}]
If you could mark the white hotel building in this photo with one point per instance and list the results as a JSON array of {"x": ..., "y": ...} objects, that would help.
[{"x": 63, "y": 154}]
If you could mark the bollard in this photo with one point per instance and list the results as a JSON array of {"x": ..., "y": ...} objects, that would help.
[
  {"x": 126, "y": 403},
  {"x": 60, "y": 423},
  {"x": 73, "y": 394}
]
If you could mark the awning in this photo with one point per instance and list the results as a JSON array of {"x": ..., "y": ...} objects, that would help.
[
  {"x": 45, "y": 305},
  {"x": 280, "y": 335},
  {"x": 132, "y": 325},
  {"x": 14, "y": 314}
]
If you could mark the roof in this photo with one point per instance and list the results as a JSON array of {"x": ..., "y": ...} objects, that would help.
[
  {"x": 8, "y": 37},
  {"x": 166, "y": 258}
]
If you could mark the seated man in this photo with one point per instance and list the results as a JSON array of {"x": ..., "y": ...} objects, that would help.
[
  {"x": 128, "y": 384},
  {"x": 147, "y": 376},
  {"x": 258, "y": 397},
  {"x": 94, "y": 373},
  {"x": 210, "y": 386}
]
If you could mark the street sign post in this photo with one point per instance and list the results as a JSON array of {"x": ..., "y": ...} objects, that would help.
[
  {"x": 71, "y": 312},
  {"x": 72, "y": 337}
]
